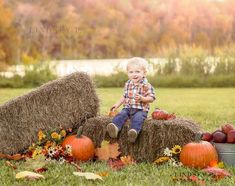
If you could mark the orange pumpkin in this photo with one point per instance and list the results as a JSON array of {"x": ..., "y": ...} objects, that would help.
[
  {"x": 112, "y": 113},
  {"x": 83, "y": 148},
  {"x": 198, "y": 154}
]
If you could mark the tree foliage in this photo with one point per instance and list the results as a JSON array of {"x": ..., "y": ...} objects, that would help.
[{"x": 75, "y": 29}]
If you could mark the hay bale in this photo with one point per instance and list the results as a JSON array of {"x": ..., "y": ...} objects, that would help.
[
  {"x": 66, "y": 102},
  {"x": 154, "y": 138}
]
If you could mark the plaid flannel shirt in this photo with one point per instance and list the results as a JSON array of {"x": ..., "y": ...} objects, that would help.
[{"x": 143, "y": 88}]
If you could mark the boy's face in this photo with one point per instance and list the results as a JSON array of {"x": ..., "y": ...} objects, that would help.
[{"x": 135, "y": 73}]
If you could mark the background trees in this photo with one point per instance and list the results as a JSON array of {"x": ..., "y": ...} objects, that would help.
[{"x": 73, "y": 29}]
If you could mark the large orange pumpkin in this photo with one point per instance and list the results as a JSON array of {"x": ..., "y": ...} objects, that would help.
[
  {"x": 83, "y": 148},
  {"x": 198, "y": 154}
]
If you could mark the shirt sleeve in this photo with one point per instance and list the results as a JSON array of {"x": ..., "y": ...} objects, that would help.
[
  {"x": 150, "y": 91},
  {"x": 125, "y": 90}
]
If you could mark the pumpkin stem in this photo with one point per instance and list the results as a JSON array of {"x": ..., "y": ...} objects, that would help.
[
  {"x": 79, "y": 132},
  {"x": 198, "y": 136}
]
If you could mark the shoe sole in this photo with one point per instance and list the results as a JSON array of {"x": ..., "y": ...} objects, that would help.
[
  {"x": 132, "y": 135},
  {"x": 112, "y": 131}
]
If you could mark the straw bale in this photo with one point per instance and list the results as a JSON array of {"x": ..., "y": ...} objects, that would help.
[
  {"x": 66, "y": 102},
  {"x": 155, "y": 136}
]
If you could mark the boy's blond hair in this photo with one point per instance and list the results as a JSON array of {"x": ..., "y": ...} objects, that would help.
[{"x": 138, "y": 61}]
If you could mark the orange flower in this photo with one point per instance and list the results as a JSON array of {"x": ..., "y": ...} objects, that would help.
[
  {"x": 41, "y": 135},
  {"x": 48, "y": 144}
]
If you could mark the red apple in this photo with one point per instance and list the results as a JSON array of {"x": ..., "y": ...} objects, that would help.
[
  {"x": 227, "y": 127},
  {"x": 207, "y": 136},
  {"x": 231, "y": 136},
  {"x": 217, "y": 130},
  {"x": 219, "y": 137},
  {"x": 159, "y": 114}
]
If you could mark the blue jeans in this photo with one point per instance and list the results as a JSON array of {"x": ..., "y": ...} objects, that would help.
[{"x": 136, "y": 116}]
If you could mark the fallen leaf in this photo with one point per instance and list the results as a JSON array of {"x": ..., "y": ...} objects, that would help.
[
  {"x": 40, "y": 170},
  {"x": 116, "y": 164},
  {"x": 88, "y": 175},
  {"x": 127, "y": 160},
  {"x": 12, "y": 157},
  {"x": 77, "y": 166},
  {"x": 103, "y": 174},
  {"x": 107, "y": 151},
  {"x": 29, "y": 175},
  {"x": 9, "y": 164},
  {"x": 217, "y": 172}
]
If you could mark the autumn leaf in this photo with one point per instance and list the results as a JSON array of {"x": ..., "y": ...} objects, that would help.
[
  {"x": 103, "y": 174},
  {"x": 217, "y": 172},
  {"x": 116, "y": 164},
  {"x": 75, "y": 164},
  {"x": 88, "y": 175},
  {"x": 40, "y": 170},
  {"x": 9, "y": 164},
  {"x": 29, "y": 175},
  {"x": 127, "y": 160},
  {"x": 107, "y": 151},
  {"x": 12, "y": 157}
]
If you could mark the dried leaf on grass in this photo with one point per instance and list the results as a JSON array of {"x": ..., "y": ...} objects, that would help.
[
  {"x": 40, "y": 170},
  {"x": 77, "y": 166},
  {"x": 128, "y": 160},
  {"x": 88, "y": 175},
  {"x": 103, "y": 174},
  {"x": 9, "y": 164},
  {"x": 116, "y": 164},
  {"x": 192, "y": 178},
  {"x": 217, "y": 172},
  {"x": 107, "y": 151},
  {"x": 29, "y": 175},
  {"x": 12, "y": 157}
]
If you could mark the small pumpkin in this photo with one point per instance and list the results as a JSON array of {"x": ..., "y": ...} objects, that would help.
[
  {"x": 112, "y": 113},
  {"x": 198, "y": 154},
  {"x": 83, "y": 148}
]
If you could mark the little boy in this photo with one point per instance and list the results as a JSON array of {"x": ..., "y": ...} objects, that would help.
[{"x": 138, "y": 93}]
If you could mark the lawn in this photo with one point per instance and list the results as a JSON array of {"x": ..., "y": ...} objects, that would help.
[{"x": 208, "y": 107}]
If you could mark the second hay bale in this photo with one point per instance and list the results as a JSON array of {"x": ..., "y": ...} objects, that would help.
[
  {"x": 154, "y": 138},
  {"x": 66, "y": 103}
]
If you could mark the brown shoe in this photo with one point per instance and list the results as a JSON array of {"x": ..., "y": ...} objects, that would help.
[
  {"x": 112, "y": 130},
  {"x": 132, "y": 135}
]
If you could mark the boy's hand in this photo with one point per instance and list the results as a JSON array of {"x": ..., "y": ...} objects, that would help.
[
  {"x": 138, "y": 97},
  {"x": 114, "y": 107}
]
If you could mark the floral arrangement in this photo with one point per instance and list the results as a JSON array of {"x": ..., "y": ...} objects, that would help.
[
  {"x": 171, "y": 156},
  {"x": 49, "y": 145}
]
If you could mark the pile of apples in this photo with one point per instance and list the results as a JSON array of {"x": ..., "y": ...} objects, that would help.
[{"x": 224, "y": 135}]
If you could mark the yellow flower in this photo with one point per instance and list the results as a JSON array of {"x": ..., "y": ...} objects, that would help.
[
  {"x": 63, "y": 133},
  {"x": 161, "y": 159},
  {"x": 55, "y": 135},
  {"x": 36, "y": 152},
  {"x": 41, "y": 135},
  {"x": 176, "y": 149}
]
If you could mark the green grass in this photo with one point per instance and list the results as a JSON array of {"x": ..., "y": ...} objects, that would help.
[{"x": 209, "y": 107}]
